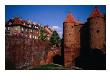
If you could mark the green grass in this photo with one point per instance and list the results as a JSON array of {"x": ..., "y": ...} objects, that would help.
[
  {"x": 49, "y": 67},
  {"x": 54, "y": 67}
]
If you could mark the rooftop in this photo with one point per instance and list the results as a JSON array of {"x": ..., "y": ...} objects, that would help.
[
  {"x": 70, "y": 19},
  {"x": 96, "y": 13}
]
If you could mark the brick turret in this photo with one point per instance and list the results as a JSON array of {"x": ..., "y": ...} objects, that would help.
[
  {"x": 71, "y": 40},
  {"x": 97, "y": 30}
]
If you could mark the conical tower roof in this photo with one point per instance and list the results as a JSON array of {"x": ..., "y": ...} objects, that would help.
[
  {"x": 96, "y": 13},
  {"x": 70, "y": 19}
]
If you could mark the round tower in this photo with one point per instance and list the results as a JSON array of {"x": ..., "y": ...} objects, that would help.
[
  {"x": 97, "y": 30},
  {"x": 71, "y": 40}
]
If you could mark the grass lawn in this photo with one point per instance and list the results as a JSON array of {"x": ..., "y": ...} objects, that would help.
[
  {"x": 49, "y": 67},
  {"x": 54, "y": 67}
]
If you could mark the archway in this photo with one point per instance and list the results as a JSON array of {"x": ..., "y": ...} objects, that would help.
[{"x": 57, "y": 59}]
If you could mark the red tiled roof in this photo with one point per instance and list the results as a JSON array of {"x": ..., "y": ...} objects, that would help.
[
  {"x": 96, "y": 13},
  {"x": 18, "y": 21},
  {"x": 70, "y": 19}
]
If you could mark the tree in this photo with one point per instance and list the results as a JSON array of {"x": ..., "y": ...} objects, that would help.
[
  {"x": 42, "y": 34},
  {"x": 54, "y": 38}
]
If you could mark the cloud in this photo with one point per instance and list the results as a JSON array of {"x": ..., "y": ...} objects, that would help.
[
  {"x": 55, "y": 27},
  {"x": 60, "y": 34},
  {"x": 58, "y": 29}
]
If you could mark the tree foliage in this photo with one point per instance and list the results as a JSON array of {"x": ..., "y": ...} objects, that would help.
[
  {"x": 54, "y": 38},
  {"x": 42, "y": 35}
]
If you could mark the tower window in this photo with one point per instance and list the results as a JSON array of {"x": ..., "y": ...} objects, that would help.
[
  {"x": 80, "y": 30},
  {"x": 97, "y": 31}
]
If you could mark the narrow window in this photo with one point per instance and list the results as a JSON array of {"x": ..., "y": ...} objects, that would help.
[
  {"x": 97, "y": 31},
  {"x": 10, "y": 23},
  {"x": 29, "y": 25},
  {"x": 23, "y": 23},
  {"x": 72, "y": 26},
  {"x": 35, "y": 37},
  {"x": 22, "y": 29},
  {"x": 31, "y": 30},
  {"x": 30, "y": 36},
  {"x": 8, "y": 28},
  {"x": 26, "y": 30}
]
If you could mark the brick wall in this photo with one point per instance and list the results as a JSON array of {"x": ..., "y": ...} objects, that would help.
[{"x": 23, "y": 52}]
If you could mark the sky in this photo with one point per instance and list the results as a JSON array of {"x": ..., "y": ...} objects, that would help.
[{"x": 51, "y": 15}]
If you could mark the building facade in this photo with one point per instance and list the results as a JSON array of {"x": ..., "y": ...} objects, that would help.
[
  {"x": 23, "y": 47},
  {"x": 74, "y": 37},
  {"x": 71, "y": 40}
]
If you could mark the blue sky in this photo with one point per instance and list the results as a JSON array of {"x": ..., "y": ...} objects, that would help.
[{"x": 52, "y": 15}]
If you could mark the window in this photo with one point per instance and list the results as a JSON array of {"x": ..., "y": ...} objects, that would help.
[
  {"x": 72, "y": 26},
  {"x": 22, "y": 29},
  {"x": 30, "y": 36},
  {"x": 36, "y": 26},
  {"x": 23, "y": 23},
  {"x": 35, "y": 37},
  {"x": 8, "y": 28},
  {"x": 69, "y": 34},
  {"x": 16, "y": 28},
  {"x": 9, "y": 23},
  {"x": 72, "y": 45},
  {"x": 97, "y": 31},
  {"x": 80, "y": 30},
  {"x": 29, "y": 25},
  {"x": 31, "y": 30},
  {"x": 26, "y": 30},
  {"x": 26, "y": 35}
]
